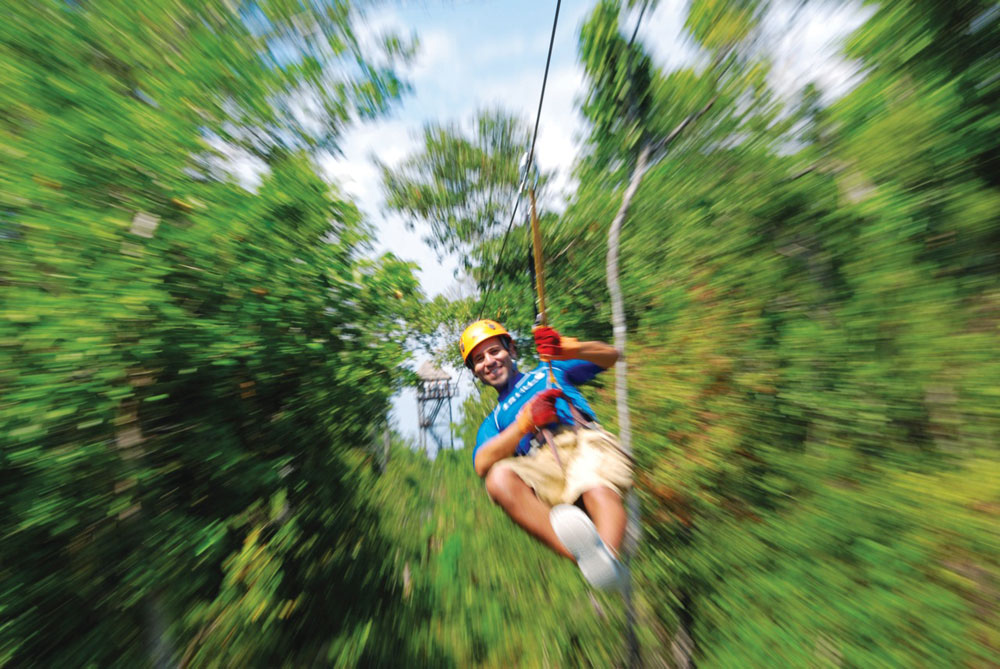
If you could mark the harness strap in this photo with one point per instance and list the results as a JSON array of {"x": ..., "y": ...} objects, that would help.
[
  {"x": 547, "y": 435},
  {"x": 578, "y": 420}
]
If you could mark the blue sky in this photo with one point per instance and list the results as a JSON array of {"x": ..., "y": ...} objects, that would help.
[{"x": 478, "y": 54}]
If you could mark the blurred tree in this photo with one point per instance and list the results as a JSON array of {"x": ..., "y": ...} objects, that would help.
[
  {"x": 461, "y": 187},
  {"x": 188, "y": 367}
]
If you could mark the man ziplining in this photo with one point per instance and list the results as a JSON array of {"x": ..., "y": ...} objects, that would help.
[{"x": 540, "y": 452}]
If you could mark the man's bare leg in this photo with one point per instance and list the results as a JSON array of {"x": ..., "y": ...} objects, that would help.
[
  {"x": 606, "y": 508},
  {"x": 520, "y": 502}
]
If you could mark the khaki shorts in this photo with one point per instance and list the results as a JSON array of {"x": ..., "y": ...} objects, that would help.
[{"x": 589, "y": 458}]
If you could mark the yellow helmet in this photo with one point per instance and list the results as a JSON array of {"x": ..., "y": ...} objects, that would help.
[{"x": 477, "y": 333}]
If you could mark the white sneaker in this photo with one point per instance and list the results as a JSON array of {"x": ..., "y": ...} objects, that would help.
[{"x": 576, "y": 531}]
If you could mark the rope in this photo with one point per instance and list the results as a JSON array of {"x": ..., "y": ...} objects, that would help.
[
  {"x": 536, "y": 245},
  {"x": 527, "y": 166},
  {"x": 536, "y": 237}
]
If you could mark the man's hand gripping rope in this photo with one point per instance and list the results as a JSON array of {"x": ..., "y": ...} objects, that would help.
[
  {"x": 540, "y": 411},
  {"x": 553, "y": 346}
]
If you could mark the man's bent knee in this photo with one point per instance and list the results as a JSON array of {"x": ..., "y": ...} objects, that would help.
[
  {"x": 501, "y": 483},
  {"x": 602, "y": 493}
]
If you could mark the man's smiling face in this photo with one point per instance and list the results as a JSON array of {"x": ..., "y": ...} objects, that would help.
[{"x": 492, "y": 363}]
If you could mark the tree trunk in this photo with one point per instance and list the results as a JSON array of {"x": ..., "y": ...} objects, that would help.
[
  {"x": 618, "y": 316},
  {"x": 621, "y": 388},
  {"x": 650, "y": 153}
]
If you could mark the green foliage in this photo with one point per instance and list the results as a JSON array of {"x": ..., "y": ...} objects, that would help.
[
  {"x": 618, "y": 103},
  {"x": 811, "y": 295},
  {"x": 488, "y": 595},
  {"x": 809, "y": 361},
  {"x": 721, "y": 24},
  {"x": 187, "y": 367}
]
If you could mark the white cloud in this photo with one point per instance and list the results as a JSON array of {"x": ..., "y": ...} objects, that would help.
[
  {"x": 437, "y": 56},
  {"x": 355, "y": 172},
  {"x": 561, "y": 131},
  {"x": 489, "y": 51},
  {"x": 807, "y": 47},
  {"x": 248, "y": 170},
  {"x": 663, "y": 34}
]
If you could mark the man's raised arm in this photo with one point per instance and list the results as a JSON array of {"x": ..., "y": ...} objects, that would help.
[{"x": 553, "y": 346}]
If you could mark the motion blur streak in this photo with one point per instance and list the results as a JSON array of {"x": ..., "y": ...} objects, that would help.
[{"x": 196, "y": 376}]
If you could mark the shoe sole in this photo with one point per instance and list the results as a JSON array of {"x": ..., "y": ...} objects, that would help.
[{"x": 577, "y": 533}]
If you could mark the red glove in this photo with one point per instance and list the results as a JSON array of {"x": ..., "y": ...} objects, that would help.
[
  {"x": 540, "y": 411},
  {"x": 552, "y": 346}
]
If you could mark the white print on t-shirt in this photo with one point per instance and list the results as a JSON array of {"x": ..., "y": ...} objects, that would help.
[
  {"x": 524, "y": 385},
  {"x": 532, "y": 381}
]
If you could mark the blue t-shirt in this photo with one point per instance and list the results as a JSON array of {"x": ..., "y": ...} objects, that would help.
[{"x": 569, "y": 374}]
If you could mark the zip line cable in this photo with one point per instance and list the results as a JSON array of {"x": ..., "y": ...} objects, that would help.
[
  {"x": 635, "y": 31},
  {"x": 527, "y": 166}
]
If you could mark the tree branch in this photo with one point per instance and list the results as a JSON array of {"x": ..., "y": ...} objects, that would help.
[{"x": 661, "y": 146}]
